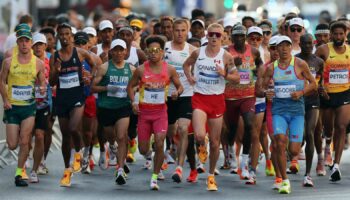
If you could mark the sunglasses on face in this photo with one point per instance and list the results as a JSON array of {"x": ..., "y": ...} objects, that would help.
[
  {"x": 267, "y": 33},
  {"x": 258, "y": 39},
  {"x": 136, "y": 28},
  {"x": 216, "y": 34},
  {"x": 153, "y": 50},
  {"x": 296, "y": 29}
]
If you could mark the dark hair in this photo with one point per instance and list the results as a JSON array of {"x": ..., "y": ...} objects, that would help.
[
  {"x": 155, "y": 39},
  {"x": 48, "y": 30},
  {"x": 197, "y": 13},
  {"x": 322, "y": 27},
  {"x": 265, "y": 22},
  {"x": 209, "y": 15},
  {"x": 194, "y": 40},
  {"x": 248, "y": 18},
  {"x": 242, "y": 7},
  {"x": 25, "y": 19},
  {"x": 338, "y": 24}
]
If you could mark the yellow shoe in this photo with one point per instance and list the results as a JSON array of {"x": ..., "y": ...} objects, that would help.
[
  {"x": 24, "y": 174},
  {"x": 130, "y": 158},
  {"x": 202, "y": 153},
  {"x": 65, "y": 180},
  {"x": 211, "y": 184},
  {"x": 269, "y": 170},
  {"x": 77, "y": 162},
  {"x": 132, "y": 146}
]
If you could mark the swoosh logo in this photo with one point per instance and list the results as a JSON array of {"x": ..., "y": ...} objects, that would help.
[{"x": 201, "y": 58}]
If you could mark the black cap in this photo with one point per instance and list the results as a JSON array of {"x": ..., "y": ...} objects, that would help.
[{"x": 81, "y": 36}]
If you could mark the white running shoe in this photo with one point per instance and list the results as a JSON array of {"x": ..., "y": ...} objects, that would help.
[
  {"x": 33, "y": 177},
  {"x": 147, "y": 165},
  {"x": 169, "y": 159},
  {"x": 154, "y": 185},
  {"x": 161, "y": 176},
  {"x": 42, "y": 169},
  {"x": 245, "y": 173},
  {"x": 103, "y": 161},
  {"x": 308, "y": 182}
]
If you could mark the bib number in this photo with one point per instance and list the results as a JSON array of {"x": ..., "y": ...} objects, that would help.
[
  {"x": 22, "y": 93},
  {"x": 244, "y": 78},
  {"x": 70, "y": 80},
  {"x": 154, "y": 97},
  {"x": 119, "y": 92},
  {"x": 37, "y": 93},
  {"x": 339, "y": 77},
  {"x": 284, "y": 91}
]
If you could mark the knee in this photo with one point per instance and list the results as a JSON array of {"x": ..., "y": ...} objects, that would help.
[
  {"x": 183, "y": 130},
  {"x": 12, "y": 145},
  {"x": 39, "y": 137},
  {"x": 340, "y": 128},
  {"x": 121, "y": 138},
  {"x": 143, "y": 149},
  {"x": 214, "y": 144},
  {"x": 159, "y": 146},
  {"x": 280, "y": 143},
  {"x": 200, "y": 138}
]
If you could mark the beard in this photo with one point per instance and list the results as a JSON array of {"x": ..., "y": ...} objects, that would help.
[{"x": 338, "y": 43}]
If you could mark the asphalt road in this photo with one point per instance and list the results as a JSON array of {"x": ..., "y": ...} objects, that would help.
[{"x": 100, "y": 185}]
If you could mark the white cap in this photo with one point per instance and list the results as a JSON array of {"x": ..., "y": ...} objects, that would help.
[
  {"x": 198, "y": 20},
  {"x": 255, "y": 29},
  {"x": 90, "y": 31},
  {"x": 39, "y": 37},
  {"x": 105, "y": 24},
  {"x": 296, "y": 21},
  {"x": 273, "y": 40},
  {"x": 74, "y": 30},
  {"x": 118, "y": 42},
  {"x": 283, "y": 38}
]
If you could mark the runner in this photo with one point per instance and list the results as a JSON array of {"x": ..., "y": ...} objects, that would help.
[
  {"x": 312, "y": 105},
  {"x": 288, "y": 74},
  {"x": 336, "y": 108},
  {"x": 114, "y": 106},
  {"x": 153, "y": 78},
  {"x": 294, "y": 31},
  {"x": 66, "y": 71},
  {"x": 179, "y": 110},
  {"x": 19, "y": 73},
  {"x": 212, "y": 65},
  {"x": 198, "y": 31},
  {"x": 322, "y": 34},
  {"x": 240, "y": 99},
  {"x": 166, "y": 25},
  {"x": 106, "y": 31}
]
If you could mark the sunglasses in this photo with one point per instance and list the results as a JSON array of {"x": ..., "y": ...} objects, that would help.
[
  {"x": 153, "y": 50},
  {"x": 217, "y": 35},
  {"x": 136, "y": 28},
  {"x": 272, "y": 48},
  {"x": 267, "y": 33},
  {"x": 296, "y": 29},
  {"x": 258, "y": 39},
  {"x": 80, "y": 42}
]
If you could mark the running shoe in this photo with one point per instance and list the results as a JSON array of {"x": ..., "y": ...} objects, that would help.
[
  {"x": 168, "y": 158},
  {"x": 91, "y": 162},
  {"x": 320, "y": 170},
  {"x": 154, "y": 185},
  {"x": 244, "y": 174},
  {"x": 269, "y": 170},
  {"x": 103, "y": 161},
  {"x": 252, "y": 178},
  {"x": 202, "y": 153},
  {"x": 24, "y": 174},
  {"x": 164, "y": 165},
  {"x": 294, "y": 167},
  {"x": 235, "y": 170},
  {"x": 132, "y": 146},
  {"x": 66, "y": 179},
  {"x": 42, "y": 169},
  {"x": 33, "y": 177},
  {"x": 285, "y": 188},
  {"x": 216, "y": 172},
  {"x": 277, "y": 184},
  {"x": 192, "y": 178},
  {"x": 120, "y": 177},
  {"x": 211, "y": 184},
  {"x": 77, "y": 162},
  {"x": 113, "y": 155},
  {"x": 301, "y": 155},
  {"x": 161, "y": 176},
  {"x": 20, "y": 182},
  {"x": 126, "y": 168},
  {"x": 85, "y": 165},
  {"x": 200, "y": 168},
  {"x": 147, "y": 165},
  {"x": 130, "y": 158},
  {"x": 112, "y": 161},
  {"x": 328, "y": 161},
  {"x": 177, "y": 175},
  {"x": 308, "y": 182},
  {"x": 335, "y": 174}
]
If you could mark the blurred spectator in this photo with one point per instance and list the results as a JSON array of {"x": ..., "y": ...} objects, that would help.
[
  {"x": 166, "y": 24},
  {"x": 248, "y": 21}
]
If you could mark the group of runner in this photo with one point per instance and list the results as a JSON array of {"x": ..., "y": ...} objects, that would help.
[{"x": 194, "y": 86}]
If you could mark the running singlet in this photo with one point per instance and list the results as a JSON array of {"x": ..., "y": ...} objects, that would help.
[
  {"x": 70, "y": 87},
  {"x": 286, "y": 82},
  {"x": 21, "y": 79},
  {"x": 177, "y": 58},
  {"x": 153, "y": 88},
  {"x": 246, "y": 86},
  {"x": 42, "y": 101},
  {"x": 336, "y": 71},
  {"x": 118, "y": 78},
  {"x": 208, "y": 81},
  {"x": 133, "y": 57}
]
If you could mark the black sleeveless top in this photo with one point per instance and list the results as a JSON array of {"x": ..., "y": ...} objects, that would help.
[{"x": 70, "y": 86}]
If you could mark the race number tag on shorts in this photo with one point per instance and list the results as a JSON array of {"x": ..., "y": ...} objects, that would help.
[
  {"x": 22, "y": 93},
  {"x": 339, "y": 77},
  {"x": 70, "y": 80},
  {"x": 37, "y": 93},
  {"x": 244, "y": 77},
  {"x": 284, "y": 91},
  {"x": 154, "y": 96},
  {"x": 119, "y": 92}
]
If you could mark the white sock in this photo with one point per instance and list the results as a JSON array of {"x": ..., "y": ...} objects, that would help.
[
  {"x": 244, "y": 160},
  {"x": 336, "y": 166}
]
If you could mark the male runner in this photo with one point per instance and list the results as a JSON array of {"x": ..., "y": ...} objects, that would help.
[
  {"x": 211, "y": 66},
  {"x": 289, "y": 75},
  {"x": 153, "y": 78},
  {"x": 19, "y": 73},
  {"x": 336, "y": 108},
  {"x": 107, "y": 33}
]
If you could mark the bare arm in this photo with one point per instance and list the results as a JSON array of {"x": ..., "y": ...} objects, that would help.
[
  {"x": 259, "y": 82},
  {"x": 134, "y": 82},
  {"x": 306, "y": 73},
  {"x": 5, "y": 69},
  {"x": 141, "y": 55},
  {"x": 231, "y": 73},
  {"x": 322, "y": 52},
  {"x": 190, "y": 61},
  {"x": 267, "y": 76},
  {"x": 101, "y": 71},
  {"x": 55, "y": 68},
  {"x": 40, "y": 66}
]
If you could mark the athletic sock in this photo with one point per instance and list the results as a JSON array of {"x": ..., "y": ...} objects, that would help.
[
  {"x": 154, "y": 177},
  {"x": 19, "y": 171}
]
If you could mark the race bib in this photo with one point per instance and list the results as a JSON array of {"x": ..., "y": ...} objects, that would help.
[
  {"x": 37, "y": 93},
  {"x": 244, "y": 77},
  {"x": 154, "y": 96},
  {"x": 119, "y": 92},
  {"x": 70, "y": 80},
  {"x": 22, "y": 93},
  {"x": 284, "y": 91},
  {"x": 313, "y": 73},
  {"x": 339, "y": 77}
]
